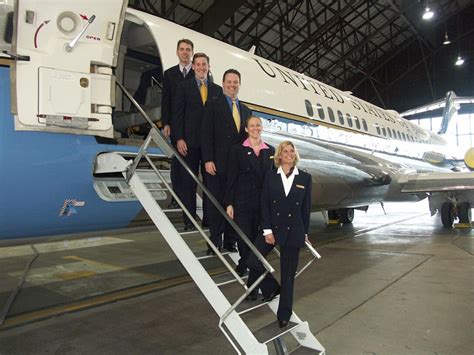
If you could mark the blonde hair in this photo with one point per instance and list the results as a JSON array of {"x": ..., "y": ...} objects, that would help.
[{"x": 280, "y": 148}]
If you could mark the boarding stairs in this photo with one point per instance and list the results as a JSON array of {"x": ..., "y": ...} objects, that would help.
[{"x": 234, "y": 311}]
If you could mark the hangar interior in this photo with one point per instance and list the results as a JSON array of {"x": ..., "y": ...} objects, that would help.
[
  {"x": 382, "y": 51},
  {"x": 391, "y": 282}
]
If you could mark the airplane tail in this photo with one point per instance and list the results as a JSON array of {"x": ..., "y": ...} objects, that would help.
[{"x": 450, "y": 109}]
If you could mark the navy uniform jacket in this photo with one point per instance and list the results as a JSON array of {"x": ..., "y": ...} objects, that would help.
[
  {"x": 189, "y": 111},
  {"x": 171, "y": 78},
  {"x": 287, "y": 216},
  {"x": 245, "y": 174},
  {"x": 219, "y": 132}
]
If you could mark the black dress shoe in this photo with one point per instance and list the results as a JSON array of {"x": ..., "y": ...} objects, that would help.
[
  {"x": 173, "y": 204},
  {"x": 282, "y": 323},
  {"x": 241, "y": 272},
  {"x": 271, "y": 296},
  {"x": 252, "y": 296},
  {"x": 189, "y": 227},
  {"x": 210, "y": 251},
  {"x": 231, "y": 249}
]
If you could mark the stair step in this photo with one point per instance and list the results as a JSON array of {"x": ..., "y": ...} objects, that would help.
[
  {"x": 303, "y": 350},
  {"x": 226, "y": 278},
  {"x": 273, "y": 331},
  {"x": 248, "y": 306},
  {"x": 203, "y": 255},
  {"x": 193, "y": 232},
  {"x": 172, "y": 210}
]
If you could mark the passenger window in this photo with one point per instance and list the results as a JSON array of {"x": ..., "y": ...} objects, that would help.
[
  {"x": 356, "y": 120},
  {"x": 394, "y": 133},
  {"x": 404, "y": 137},
  {"x": 349, "y": 119},
  {"x": 341, "y": 117},
  {"x": 320, "y": 111},
  {"x": 365, "y": 125},
  {"x": 331, "y": 115},
  {"x": 389, "y": 131},
  {"x": 309, "y": 108},
  {"x": 378, "y": 129},
  {"x": 399, "y": 135},
  {"x": 384, "y": 132}
]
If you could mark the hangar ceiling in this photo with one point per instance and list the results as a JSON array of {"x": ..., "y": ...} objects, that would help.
[{"x": 380, "y": 50}]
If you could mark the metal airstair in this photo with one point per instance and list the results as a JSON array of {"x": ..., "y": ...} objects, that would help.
[{"x": 231, "y": 312}]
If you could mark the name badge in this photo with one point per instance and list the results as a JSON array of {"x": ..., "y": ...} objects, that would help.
[{"x": 300, "y": 186}]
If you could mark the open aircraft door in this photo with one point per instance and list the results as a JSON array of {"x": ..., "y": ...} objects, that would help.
[{"x": 63, "y": 80}]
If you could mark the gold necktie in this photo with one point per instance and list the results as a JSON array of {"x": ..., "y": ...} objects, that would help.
[
  {"x": 236, "y": 115},
  {"x": 203, "y": 90}
]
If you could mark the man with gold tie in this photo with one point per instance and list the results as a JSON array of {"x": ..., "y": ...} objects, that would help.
[
  {"x": 223, "y": 125},
  {"x": 191, "y": 98}
]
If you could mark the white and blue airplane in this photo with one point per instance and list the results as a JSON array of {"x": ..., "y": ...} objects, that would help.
[{"x": 60, "y": 110}]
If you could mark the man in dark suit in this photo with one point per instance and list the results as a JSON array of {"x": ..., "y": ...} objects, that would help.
[
  {"x": 191, "y": 97},
  {"x": 171, "y": 78},
  {"x": 223, "y": 126}
]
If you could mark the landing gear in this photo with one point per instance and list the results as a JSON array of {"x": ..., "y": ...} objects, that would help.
[
  {"x": 447, "y": 217},
  {"x": 464, "y": 212},
  {"x": 346, "y": 215},
  {"x": 342, "y": 215},
  {"x": 332, "y": 215}
]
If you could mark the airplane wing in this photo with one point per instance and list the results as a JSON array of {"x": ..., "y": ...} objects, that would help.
[{"x": 437, "y": 182}]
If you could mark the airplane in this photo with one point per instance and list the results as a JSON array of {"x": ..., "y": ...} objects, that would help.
[{"x": 60, "y": 111}]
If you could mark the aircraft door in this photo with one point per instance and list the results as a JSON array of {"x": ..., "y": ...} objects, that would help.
[{"x": 63, "y": 80}]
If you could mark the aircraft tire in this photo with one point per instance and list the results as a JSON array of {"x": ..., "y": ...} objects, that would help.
[
  {"x": 332, "y": 214},
  {"x": 464, "y": 212},
  {"x": 447, "y": 217},
  {"x": 346, "y": 215}
]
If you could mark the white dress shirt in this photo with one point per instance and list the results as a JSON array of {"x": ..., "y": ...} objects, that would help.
[
  {"x": 188, "y": 67},
  {"x": 287, "y": 183}
]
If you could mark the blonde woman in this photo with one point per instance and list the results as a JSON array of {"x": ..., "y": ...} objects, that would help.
[{"x": 285, "y": 214}]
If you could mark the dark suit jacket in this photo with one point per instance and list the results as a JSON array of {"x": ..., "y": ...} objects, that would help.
[
  {"x": 171, "y": 78},
  {"x": 189, "y": 111},
  {"x": 219, "y": 133},
  {"x": 287, "y": 216},
  {"x": 245, "y": 174}
]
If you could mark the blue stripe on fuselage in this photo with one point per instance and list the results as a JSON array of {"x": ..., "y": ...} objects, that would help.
[{"x": 39, "y": 171}]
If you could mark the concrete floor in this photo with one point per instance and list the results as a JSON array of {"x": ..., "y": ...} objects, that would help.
[{"x": 395, "y": 284}]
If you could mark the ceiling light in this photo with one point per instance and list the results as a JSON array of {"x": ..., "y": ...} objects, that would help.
[
  {"x": 446, "y": 39},
  {"x": 459, "y": 61},
  {"x": 428, "y": 14}
]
